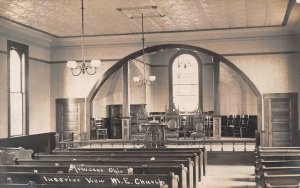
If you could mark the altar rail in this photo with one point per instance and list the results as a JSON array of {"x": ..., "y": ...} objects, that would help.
[{"x": 210, "y": 145}]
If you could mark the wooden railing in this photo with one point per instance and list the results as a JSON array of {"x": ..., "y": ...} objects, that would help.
[{"x": 240, "y": 144}]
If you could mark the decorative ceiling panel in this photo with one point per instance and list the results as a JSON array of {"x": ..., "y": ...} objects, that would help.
[{"x": 63, "y": 17}]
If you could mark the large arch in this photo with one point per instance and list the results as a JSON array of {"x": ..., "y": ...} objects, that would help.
[{"x": 162, "y": 47}]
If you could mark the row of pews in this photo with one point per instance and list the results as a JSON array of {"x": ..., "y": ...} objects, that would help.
[
  {"x": 108, "y": 167},
  {"x": 277, "y": 167}
]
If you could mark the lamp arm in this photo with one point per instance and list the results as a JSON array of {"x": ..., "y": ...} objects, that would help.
[
  {"x": 139, "y": 83},
  {"x": 149, "y": 83},
  {"x": 94, "y": 70},
  {"x": 77, "y": 68}
]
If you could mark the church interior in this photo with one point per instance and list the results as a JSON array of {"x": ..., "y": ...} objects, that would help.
[{"x": 149, "y": 93}]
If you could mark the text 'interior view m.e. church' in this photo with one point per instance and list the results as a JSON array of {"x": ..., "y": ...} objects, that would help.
[{"x": 149, "y": 93}]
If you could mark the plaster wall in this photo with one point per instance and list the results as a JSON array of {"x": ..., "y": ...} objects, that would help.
[
  {"x": 265, "y": 56},
  {"x": 38, "y": 86}
]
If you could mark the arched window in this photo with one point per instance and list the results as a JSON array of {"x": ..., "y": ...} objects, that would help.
[
  {"x": 18, "y": 55},
  {"x": 185, "y": 82}
]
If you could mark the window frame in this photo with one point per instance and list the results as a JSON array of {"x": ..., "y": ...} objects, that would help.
[
  {"x": 20, "y": 49},
  {"x": 170, "y": 71}
]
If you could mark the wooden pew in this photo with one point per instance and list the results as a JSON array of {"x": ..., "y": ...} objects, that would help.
[
  {"x": 281, "y": 180},
  {"x": 179, "y": 170},
  {"x": 89, "y": 180},
  {"x": 275, "y": 163},
  {"x": 192, "y": 181},
  {"x": 275, "y": 151},
  {"x": 276, "y": 171},
  {"x": 260, "y": 148},
  {"x": 133, "y": 156},
  {"x": 277, "y": 166},
  {"x": 148, "y": 150},
  {"x": 137, "y": 152},
  {"x": 267, "y": 185},
  {"x": 278, "y": 155},
  {"x": 7, "y": 154},
  {"x": 142, "y": 156},
  {"x": 18, "y": 152},
  {"x": 29, "y": 185}
]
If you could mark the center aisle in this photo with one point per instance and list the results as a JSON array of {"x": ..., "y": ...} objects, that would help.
[{"x": 235, "y": 176}]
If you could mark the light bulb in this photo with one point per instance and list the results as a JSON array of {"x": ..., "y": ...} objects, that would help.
[
  {"x": 95, "y": 63},
  {"x": 136, "y": 79},
  {"x": 152, "y": 78},
  {"x": 72, "y": 64}
]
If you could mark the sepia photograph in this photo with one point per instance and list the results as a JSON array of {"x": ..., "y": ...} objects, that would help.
[{"x": 149, "y": 93}]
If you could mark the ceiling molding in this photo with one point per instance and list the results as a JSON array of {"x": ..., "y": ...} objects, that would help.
[
  {"x": 11, "y": 30},
  {"x": 192, "y": 37},
  {"x": 174, "y": 31},
  {"x": 29, "y": 27}
]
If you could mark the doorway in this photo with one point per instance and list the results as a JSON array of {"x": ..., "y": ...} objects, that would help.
[
  {"x": 281, "y": 119},
  {"x": 70, "y": 118}
]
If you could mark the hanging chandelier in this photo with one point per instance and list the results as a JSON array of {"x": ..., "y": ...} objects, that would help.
[
  {"x": 141, "y": 80},
  {"x": 182, "y": 62},
  {"x": 83, "y": 68}
]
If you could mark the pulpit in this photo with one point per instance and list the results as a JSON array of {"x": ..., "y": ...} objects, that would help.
[{"x": 155, "y": 132}]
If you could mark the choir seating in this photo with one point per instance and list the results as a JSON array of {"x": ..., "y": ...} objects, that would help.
[
  {"x": 101, "y": 130},
  {"x": 242, "y": 128},
  {"x": 237, "y": 125},
  {"x": 230, "y": 125},
  {"x": 224, "y": 128}
]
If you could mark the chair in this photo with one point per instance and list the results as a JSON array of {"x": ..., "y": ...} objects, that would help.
[
  {"x": 199, "y": 131},
  {"x": 208, "y": 125},
  {"x": 172, "y": 119},
  {"x": 185, "y": 126},
  {"x": 142, "y": 118},
  {"x": 224, "y": 128},
  {"x": 230, "y": 124},
  {"x": 101, "y": 131},
  {"x": 237, "y": 126},
  {"x": 244, "y": 125}
]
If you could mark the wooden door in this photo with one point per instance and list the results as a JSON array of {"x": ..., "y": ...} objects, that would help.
[
  {"x": 69, "y": 118},
  {"x": 281, "y": 119}
]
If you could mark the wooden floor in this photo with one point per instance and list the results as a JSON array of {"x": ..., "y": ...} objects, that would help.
[{"x": 225, "y": 176}]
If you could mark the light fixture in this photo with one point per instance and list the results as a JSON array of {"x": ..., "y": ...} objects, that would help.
[
  {"x": 182, "y": 62},
  {"x": 137, "y": 79},
  {"x": 83, "y": 68}
]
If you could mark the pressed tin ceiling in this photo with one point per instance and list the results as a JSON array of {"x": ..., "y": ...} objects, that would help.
[{"x": 62, "y": 18}]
